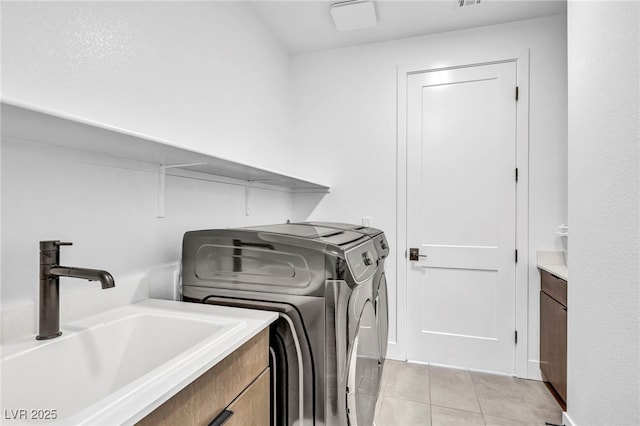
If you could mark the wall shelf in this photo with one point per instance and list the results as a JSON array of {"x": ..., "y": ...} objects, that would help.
[{"x": 21, "y": 122}]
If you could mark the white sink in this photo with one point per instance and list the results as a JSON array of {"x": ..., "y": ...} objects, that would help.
[{"x": 116, "y": 367}]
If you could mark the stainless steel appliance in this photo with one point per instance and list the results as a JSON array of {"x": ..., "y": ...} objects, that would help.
[
  {"x": 379, "y": 281},
  {"x": 326, "y": 281}
]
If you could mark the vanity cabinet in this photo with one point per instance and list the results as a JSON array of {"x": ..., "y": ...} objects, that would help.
[
  {"x": 553, "y": 332},
  {"x": 238, "y": 384}
]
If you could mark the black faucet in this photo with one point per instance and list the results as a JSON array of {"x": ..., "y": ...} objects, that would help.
[{"x": 50, "y": 273}]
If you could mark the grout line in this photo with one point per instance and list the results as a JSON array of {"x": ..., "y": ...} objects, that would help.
[
  {"x": 475, "y": 391},
  {"x": 462, "y": 411},
  {"x": 430, "y": 400},
  {"x": 521, "y": 391},
  {"x": 456, "y": 409}
]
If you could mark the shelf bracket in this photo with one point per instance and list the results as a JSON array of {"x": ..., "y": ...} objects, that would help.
[
  {"x": 162, "y": 178},
  {"x": 247, "y": 198},
  {"x": 247, "y": 193}
]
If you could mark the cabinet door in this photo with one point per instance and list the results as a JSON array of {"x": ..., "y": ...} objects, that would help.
[{"x": 553, "y": 343}]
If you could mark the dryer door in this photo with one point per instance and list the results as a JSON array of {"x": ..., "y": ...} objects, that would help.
[
  {"x": 362, "y": 374},
  {"x": 382, "y": 316}
]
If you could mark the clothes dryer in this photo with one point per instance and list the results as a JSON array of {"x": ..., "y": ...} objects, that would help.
[
  {"x": 325, "y": 346},
  {"x": 380, "y": 298}
]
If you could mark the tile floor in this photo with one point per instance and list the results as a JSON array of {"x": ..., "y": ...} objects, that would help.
[{"x": 416, "y": 395}]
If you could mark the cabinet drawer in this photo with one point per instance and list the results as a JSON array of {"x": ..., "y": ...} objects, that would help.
[
  {"x": 554, "y": 287},
  {"x": 251, "y": 408},
  {"x": 206, "y": 397}
]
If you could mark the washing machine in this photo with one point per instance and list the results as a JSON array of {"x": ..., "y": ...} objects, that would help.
[{"x": 325, "y": 350}]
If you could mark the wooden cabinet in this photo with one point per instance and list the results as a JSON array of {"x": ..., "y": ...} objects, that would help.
[
  {"x": 238, "y": 384},
  {"x": 553, "y": 332}
]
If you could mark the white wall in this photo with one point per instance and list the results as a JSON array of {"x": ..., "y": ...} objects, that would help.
[
  {"x": 604, "y": 213},
  {"x": 107, "y": 208},
  {"x": 136, "y": 65},
  {"x": 207, "y": 74},
  {"x": 345, "y": 116}
]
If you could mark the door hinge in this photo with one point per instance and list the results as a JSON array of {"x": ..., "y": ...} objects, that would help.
[
  {"x": 516, "y": 337},
  {"x": 517, "y": 92},
  {"x": 516, "y": 256},
  {"x": 516, "y": 174}
]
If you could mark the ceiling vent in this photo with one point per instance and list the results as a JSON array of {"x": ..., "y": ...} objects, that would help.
[
  {"x": 354, "y": 15},
  {"x": 465, "y": 3}
]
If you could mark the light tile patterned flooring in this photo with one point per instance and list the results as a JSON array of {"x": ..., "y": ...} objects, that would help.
[{"x": 417, "y": 395}]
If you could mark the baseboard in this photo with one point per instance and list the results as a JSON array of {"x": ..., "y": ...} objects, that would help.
[
  {"x": 533, "y": 366},
  {"x": 566, "y": 420},
  {"x": 533, "y": 370},
  {"x": 392, "y": 351}
]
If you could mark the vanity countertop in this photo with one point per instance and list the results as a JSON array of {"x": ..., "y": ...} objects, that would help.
[{"x": 554, "y": 263}]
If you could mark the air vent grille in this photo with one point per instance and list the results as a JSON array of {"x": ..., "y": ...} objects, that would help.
[{"x": 465, "y": 3}]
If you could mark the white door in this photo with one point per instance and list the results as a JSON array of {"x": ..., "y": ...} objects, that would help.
[{"x": 461, "y": 206}]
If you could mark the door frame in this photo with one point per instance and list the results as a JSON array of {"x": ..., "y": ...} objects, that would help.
[{"x": 398, "y": 349}]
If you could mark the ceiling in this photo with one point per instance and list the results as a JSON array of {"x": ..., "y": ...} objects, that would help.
[{"x": 305, "y": 26}]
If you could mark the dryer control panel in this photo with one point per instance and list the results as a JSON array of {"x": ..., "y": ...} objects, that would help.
[
  {"x": 381, "y": 246},
  {"x": 362, "y": 261}
]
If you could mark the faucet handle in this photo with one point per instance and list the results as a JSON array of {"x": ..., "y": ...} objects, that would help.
[{"x": 52, "y": 245}]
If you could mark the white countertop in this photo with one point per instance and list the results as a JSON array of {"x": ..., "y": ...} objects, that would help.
[
  {"x": 554, "y": 263},
  {"x": 128, "y": 403},
  {"x": 560, "y": 271}
]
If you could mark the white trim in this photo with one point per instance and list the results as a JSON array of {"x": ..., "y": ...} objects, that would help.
[
  {"x": 533, "y": 370},
  {"x": 522, "y": 215},
  {"x": 401, "y": 213},
  {"x": 566, "y": 420},
  {"x": 521, "y": 58},
  {"x": 392, "y": 351}
]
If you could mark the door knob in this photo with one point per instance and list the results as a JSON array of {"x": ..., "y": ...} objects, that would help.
[{"x": 414, "y": 254}]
